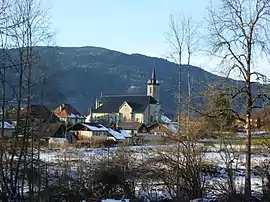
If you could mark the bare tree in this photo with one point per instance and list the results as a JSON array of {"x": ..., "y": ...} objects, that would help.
[
  {"x": 192, "y": 44},
  {"x": 26, "y": 26},
  {"x": 176, "y": 38},
  {"x": 3, "y": 29},
  {"x": 182, "y": 38},
  {"x": 238, "y": 31}
]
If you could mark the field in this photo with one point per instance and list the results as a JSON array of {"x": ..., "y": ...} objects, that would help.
[{"x": 216, "y": 154}]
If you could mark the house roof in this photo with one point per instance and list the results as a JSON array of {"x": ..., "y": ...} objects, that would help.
[
  {"x": 88, "y": 126},
  {"x": 131, "y": 125},
  {"x": 45, "y": 130},
  {"x": 261, "y": 113},
  {"x": 67, "y": 111},
  {"x": 7, "y": 125},
  {"x": 117, "y": 135},
  {"x": 40, "y": 112},
  {"x": 167, "y": 126},
  {"x": 111, "y": 104}
]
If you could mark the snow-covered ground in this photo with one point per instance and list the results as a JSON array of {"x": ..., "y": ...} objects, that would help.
[{"x": 214, "y": 156}]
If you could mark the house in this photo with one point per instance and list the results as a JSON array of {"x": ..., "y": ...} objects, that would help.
[
  {"x": 8, "y": 128},
  {"x": 68, "y": 114},
  {"x": 37, "y": 114},
  {"x": 129, "y": 108},
  {"x": 96, "y": 131},
  {"x": 260, "y": 119},
  {"x": 89, "y": 131},
  {"x": 49, "y": 130},
  {"x": 162, "y": 129},
  {"x": 118, "y": 134},
  {"x": 133, "y": 127}
]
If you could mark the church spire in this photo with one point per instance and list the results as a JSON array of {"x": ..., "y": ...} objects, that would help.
[
  {"x": 153, "y": 86},
  {"x": 153, "y": 79},
  {"x": 154, "y": 74}
]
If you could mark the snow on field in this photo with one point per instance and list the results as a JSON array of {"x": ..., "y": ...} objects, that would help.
[
  {"x": 113, "y": 200},
  {"x": 214, "y": 156}
]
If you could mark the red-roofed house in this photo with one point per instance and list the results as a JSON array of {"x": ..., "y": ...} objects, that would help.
[
  {"x": 68, "y": 114},
  {"x": 260, "y": 119}
]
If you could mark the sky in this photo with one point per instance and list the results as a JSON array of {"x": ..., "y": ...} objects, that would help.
[{"x": 129, "y": 26}]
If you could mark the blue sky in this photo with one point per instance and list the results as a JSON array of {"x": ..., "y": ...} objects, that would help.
[{"x": 129, "y": 26}]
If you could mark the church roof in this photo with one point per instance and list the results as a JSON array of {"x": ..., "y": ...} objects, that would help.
[{"x": 111, "y": 104}]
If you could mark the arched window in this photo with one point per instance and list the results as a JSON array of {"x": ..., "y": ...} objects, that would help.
[{"x": 151, "y": 118}]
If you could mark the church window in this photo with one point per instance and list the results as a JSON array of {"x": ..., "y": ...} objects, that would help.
[
  {"x": 150, "y": 90},
  {"x": 151, "y": 118}
]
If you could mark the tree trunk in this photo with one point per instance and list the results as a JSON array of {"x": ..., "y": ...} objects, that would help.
[
  {"x": 248, "y": 142},
  {"x": 3, "y": 93}
]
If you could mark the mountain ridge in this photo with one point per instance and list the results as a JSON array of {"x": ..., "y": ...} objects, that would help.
[{"x": 78, "y": 75}]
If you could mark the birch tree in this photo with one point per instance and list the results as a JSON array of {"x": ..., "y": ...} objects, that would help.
[{"x": 238, "y": 33}]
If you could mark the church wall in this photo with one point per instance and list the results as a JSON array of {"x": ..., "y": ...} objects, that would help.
[
  {"x": 139, "y": 117},
  {"x": 151, "y": 113},
  {"x": 145, "y": 115},
  {"x": 126, "y": 112}
]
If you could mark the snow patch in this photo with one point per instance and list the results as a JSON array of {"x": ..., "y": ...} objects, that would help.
[
  {"x": 75, "y": 116},
  {"x": 7, "y": 125},
  {"x": 94, "y": 128},
  {"x": 116, "y": 135},
  {"x": 165, "y": 119},
  {"x": 113, "y": 200}
]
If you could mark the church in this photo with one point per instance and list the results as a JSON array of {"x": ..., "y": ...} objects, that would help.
[{"x": 144, "y": 109}]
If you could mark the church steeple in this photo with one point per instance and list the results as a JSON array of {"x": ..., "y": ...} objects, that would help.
[
  {"x": 153, "y": 78},
  {"x": 153, "y": 86}
]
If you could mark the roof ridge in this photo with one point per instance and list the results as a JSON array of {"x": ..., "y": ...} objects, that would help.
[{"x": 123, "y": 95}]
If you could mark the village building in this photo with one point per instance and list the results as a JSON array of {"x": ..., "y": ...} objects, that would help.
[
  {"x": 162, "y": 129},
  {"x": 7, "y": 128},
  {"x": 143, "y": 109},
  {"x": 68, "y": 114},
  {"x": 37, "y": 114},
  {"x": 133, "y": 127},
  {"x": 259, "y": 120},
  {"x": 96, "y": 131}
]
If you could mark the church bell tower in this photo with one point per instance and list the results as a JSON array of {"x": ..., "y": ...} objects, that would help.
[{"x": 153, "y": 86}]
